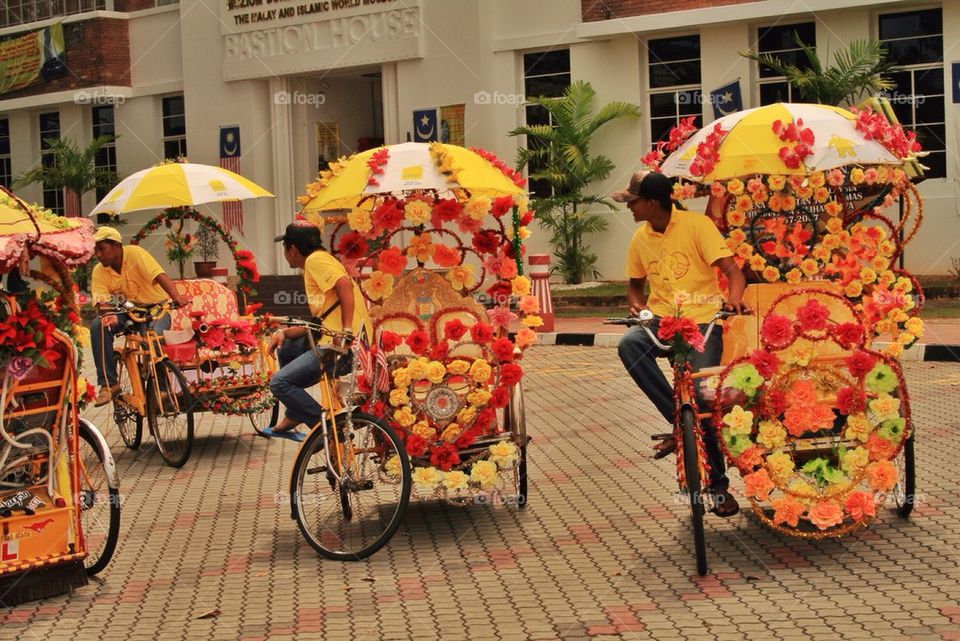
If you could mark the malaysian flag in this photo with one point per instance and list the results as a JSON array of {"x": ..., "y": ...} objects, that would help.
[
  {"x": 373, "y": 364},
  {"x": 230, "y": 159}
]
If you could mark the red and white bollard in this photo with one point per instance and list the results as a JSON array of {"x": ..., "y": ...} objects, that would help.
[{"x": 540, "y": 287}]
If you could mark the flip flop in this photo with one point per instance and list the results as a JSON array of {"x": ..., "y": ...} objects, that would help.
[{"x": 290, "y": 435}]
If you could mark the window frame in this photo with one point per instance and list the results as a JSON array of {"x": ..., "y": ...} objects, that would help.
[
  {"x": 539, "y": 188},
  {"x": 53, "y": 198},
  {"x": 109, "y": 150},
  {"x": 774, "y": 80},
  {"x": 6, "y": 158},
  {"x": 696, "y": 98},
  {"x": 179, "y": 139}
]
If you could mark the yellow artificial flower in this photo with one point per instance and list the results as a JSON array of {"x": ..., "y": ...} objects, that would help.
[
  {"x": 914, "y": 326},
  {"x": 867, "y": 276},
  {"x": 833, "y": 209},
  {"x": 738, "y": 217},
  {"x": 417, "y": 212},
  {"x": 477, "y": 207},
  {"x": 531, "y": 320},
  {"x": 794, "y": 276},
  {"x": 404, "y": 417},
  {"x": 904, "y": 284},
  {"x": 772, "y": 435},
  {"x": 425, "y": 478},
  {"x": 735, "y": 186},
  {"x": 856, "y": 175},
  {"x": 744, "y": 251},
  {"x": 466, "y": 415},
  {"x": 480, "y": 371},
  {"x": 455, "y": 481},
  {"x": 887, "y": 247},
  {"x": 739, "y": 421},
  {"x": 83, "y": 337},
  {"x": 484, "y": 474},
  {"x": 834, "y": 225},
  {"x": 809, "y": 267},
  {"x": 392, "y": 467},
  {"x": 885, "y": 408},
  {"x": 436, "y": 371},
  {"x": 780, "y": 466},
  {"x": 831, "y": 242},
  {"x": 855, "y": 460},
  {"x": 820, "y": 253},
  {"x": 886, "y": 278},
  {"x": 893, "y": 350},
  {"x": 858, "y": 428},
  {"x": 450, "y": 433},
  {"x": 401, "y": 377},
  {"x": 771, "y": 274},
  {"x": 880, "y": 263},
  {"x": 379, "y": 285},
  {"x": 821, "y": 194},
  {"x": 417, "y": 369},
  {"x": 799, "y": 353},
  {"x": 521, "y": 286},
  {"x": 503, "y": 454},
  {"x": 524, "y": 233},
  {"x": 461, "y": 277},
  {"x": 853, "y": 289},
  {"x": 757, "y": 262},
  {"x": 817, "y": 179},
  {"x": 421, "y": 247},
  {"x": 802, "y": 488},
  {"x": 776, "y": 183},
  {"x": 738, "y": 236},
  {"x": 423, "y": 430},
  {"x": 458, "y": 367},
  {"x": 399, "y": 397},
  {"x": 478, "y": 397},
  {"x": 359, "y": 220}
]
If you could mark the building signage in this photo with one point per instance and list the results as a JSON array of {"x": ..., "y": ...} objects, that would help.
[
  {"x": 275, "y": 37},
  {"x": 27, "y": 59}
]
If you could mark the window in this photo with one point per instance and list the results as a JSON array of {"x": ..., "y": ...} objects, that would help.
[
  {"x": 545, "y": 73},
  {"x": 780, "y": 42},
  {"x": 914, "y": 40},
  {"x": 49, "y": 134},
  {"x": 16, "y": 12},
  {"x": 674, "y": 69},
  {"x": 6, "y": 169},
  {"x": 174, "y": 128},
  {"x": 104, "y": 125},
  {"x": 328, "y": 143}
]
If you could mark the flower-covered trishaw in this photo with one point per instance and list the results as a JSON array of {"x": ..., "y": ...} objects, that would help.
[
  {"x": 811, "y": 408},
  {"x": 59, "y": 501},
  {"x": 216, "y": 350},
  {"x": 435, "y": 233}
]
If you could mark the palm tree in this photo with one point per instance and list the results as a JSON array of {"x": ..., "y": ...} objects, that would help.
[
  {"x": 72, "y": 169},
  {"x": 559, "y": 154},
  {"x": 858, "y": 70}
]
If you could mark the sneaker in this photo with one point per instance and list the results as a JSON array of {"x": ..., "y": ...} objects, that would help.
[{"x": 105, "y": 395}]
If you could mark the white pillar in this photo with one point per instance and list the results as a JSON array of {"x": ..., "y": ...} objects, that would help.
[{"x": 283, "y": 151}]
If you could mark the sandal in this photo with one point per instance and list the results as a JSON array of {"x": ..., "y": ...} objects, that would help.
[
  {"x": 290, "y": 435},
  {"x": 666, "y": 446},
  {"x": 724, "y": 503}
]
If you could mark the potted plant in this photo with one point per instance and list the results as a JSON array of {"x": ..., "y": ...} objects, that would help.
[
  {"x": 207, "y": 246},
  {"x": 179, "y": 248}
]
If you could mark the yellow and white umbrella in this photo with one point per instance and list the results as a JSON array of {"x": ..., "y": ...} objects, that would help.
[
  {"x": 749, "y": 145},
  {"x": 177, "y": 185}
]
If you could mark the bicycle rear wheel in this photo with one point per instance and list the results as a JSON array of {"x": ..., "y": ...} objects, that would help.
[
  {"x": 904, "y": 493},
  {"x": 129, "y": 421},
  {"x": 99, "y": 501},
  {"x": 691, "y": 471},
  {"x": 170, "y": 415},
  {"x": 351, "y": 518}
]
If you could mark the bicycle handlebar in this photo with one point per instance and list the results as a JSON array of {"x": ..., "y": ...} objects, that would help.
[
  {"x": 341, "y": 340},
  {"x": 645, "y": 317},
  {"x": 139, "y": 313}
]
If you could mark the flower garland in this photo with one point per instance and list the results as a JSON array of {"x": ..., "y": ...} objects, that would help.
[
  {"x": 334, "y": 168},
  {"x": 244, "y": 259},
  {"x": 802, "y": 139},
  {"x": 678, "y": 135},
  {"x": 821, "y": 437},
  {"x": 222, "y": 394}
]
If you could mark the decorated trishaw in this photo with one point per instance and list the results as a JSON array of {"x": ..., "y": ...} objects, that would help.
[
  {"x": 59, "y": 501},
  {"x": 810, "y": 400},
  {"x": 435, "y": 234},
  {"x": 214, "y": 357}
]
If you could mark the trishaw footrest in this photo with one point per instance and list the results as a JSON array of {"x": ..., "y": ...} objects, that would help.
[{"x": 40, "y": 583}]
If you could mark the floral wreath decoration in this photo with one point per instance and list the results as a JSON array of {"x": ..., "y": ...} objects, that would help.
[
  {"x": 439, "y": 403},
  {"x": 244, "y": 259},
  {"x": 796, "y": 228},
  {"x": 822, "y": 436}
]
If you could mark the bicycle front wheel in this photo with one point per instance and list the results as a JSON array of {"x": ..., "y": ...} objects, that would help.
[
  {"x": 351, "y": 517},
  {"x": 691, "y": 472},
  {"x": 128, "y": 419},
  {"x": 905, "y": 492},
  {"x": 99, "y": 502},
  {"x": 170, "y": 413}
]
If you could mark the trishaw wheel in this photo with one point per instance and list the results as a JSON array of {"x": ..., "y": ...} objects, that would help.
[
  {"x": 515, "y": 416},
  {"x": 129, "y": 421},
  {"x": 904, "y": 493},
  {"x": 376, "y": 499},
  {"x": 170, "y": 415},
  {"x": 691, "y": 471},
  {"x": 266, "y": 418},
  {"x": 99, "y": 503}
]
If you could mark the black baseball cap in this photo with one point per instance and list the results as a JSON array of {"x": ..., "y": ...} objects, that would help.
[
  {"x": 645, "y": 184},
  {"x": 297, "y": 230}
]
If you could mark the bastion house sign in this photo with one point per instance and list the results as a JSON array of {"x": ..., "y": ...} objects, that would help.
[{"x": 264, "y": 38}]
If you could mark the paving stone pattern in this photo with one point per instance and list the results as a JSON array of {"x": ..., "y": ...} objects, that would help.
[{"x": 603, "y": 550}]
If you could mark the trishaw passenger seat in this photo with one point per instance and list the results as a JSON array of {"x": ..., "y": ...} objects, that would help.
[{"x": 213, "y": 299}]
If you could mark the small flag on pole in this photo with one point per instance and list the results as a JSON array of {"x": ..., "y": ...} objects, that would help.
[
  {"x": 726, "y": 99},
  {"x": 230, "y": 159}
]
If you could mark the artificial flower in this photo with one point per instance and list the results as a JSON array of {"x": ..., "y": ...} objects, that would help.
[
  {"x": 861, "y": 506},
  {"x": 765, "y": 363},
  {"x": 825, "y": 514},
  {"x": 501, "y": 316},
  {"x": 532, "y": 321},
  {"x": 885, "y": 408},
  {"x": 860, "y": 363},
  {"x": 503, "y": 349},
  {"x": 425, "y": 478},
  {"x": 444, "y": 456},
  {"x": 780, "y": 465},
  {"x": 419, "y": 343},
  {"x": 477, "y": 207},
  {"x": 466, "y": 415},
  {"x": 439, "y": 351},
  {"x": 880, "y": 448},
  {"x": 881, "y": 475},
  {"x": 399, "y": 397},
  {"x": 503, "y": 454},
  {"x": 787, "y": 511},
  {"x": 850, "y": 400},
  {"x": 421, "y": 247},
  {"x": 392, "y": 467},
  {"x": 436, "y": 371},
  {"x": 481, "y": 333},
  {"x": 423, "y": 430},
  {"x": 521, "y": 286},
  {"x": 750, "y": 459},
  {"x": 478, "y": 397},
  {"x": 771, "y": 434},
  {"x": 813, "y": 316},
  {"x": 458, "y": 367},
  {"x": 455, "y": 481},
  {"x": 881, "y": 379},
  {"x": 777, "y": 331},
  {"x": 445, "y": 256},
  {"x": 401, "y": 377},
  {"x": 854, "y": 460},
  {"x": 510, "y": 374},
  {"x": 484, "y": 474},
  {"x": 736, "y": 444},
  {"x": 800, "y": 353},
  {"x": 461, "y": 277},
  {"x": 404, "y": 417},
  {"x": 378, "y": 286},
  {"x": 893, "y": 429},
  {"x": 359, "y": 220},
  {"x": 500, "y": 397},
  {"x": 746, "y": 378},
  {"x": 417, "y": 212},
  {"x": 454, "y": 329},
  {"x": 531, "y": 305},
  {"x": 501, "y": 205},
  {"x": 525, "y": 337},
  {"x": 480, "y": 371},
  {"x": 758, "y": 485},
  {"x": 389, "y": 341},
  {"x": 450, "y": 433},
  {"x": 858, "y": 428},
  {"x": 738, "y": 421}
]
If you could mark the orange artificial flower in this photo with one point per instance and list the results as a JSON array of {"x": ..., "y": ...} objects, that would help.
[
  {"x": 392, "y": 261},
  {"x": 421, "y": 247},
  {"x": 787, "y": 510},
  {"x": 861, "y": 506},
  {"x": 378, "y": 286},
  {"x": 758, "y": 485},
  {"x": 445, "y": 256},
  {"x": 825, "y": 514},
  {"x": 882, "y": 476}
]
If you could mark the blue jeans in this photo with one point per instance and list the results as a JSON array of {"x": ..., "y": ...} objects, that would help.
[
  {"x": 639, "y": 356},
  {"x": 301, "y": 369},
  {"x": 101, "y": 339}
]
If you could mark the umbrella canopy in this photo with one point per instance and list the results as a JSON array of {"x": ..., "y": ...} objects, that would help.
[
  {"x": 177, "y": 185},
  {"x": 26, "y": 230},
  {"x": 749, "y": 145},
  {"x": 411, "y": 166}
]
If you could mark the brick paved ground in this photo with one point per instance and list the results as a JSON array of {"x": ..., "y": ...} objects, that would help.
[{"x": 601, "y": 552}]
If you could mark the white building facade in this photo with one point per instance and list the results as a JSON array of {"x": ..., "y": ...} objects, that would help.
[{"x": 307, "y": 81}]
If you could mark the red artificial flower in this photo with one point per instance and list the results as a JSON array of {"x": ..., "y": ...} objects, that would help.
[
  {"x": 481, "y": 333},
  {"x": 439, "y": 351},
  {"x": 389, "y": 341},
  {"x": 418, "y": 342},
  {"x": 861, "y": 506},
  {"x": 447, "y": 210},
  {"x": 813, "y": 316},
  {"x": 527, "y": 218},
  {"x": 445, "y": 456},
  {"x": 391, "y": 261},
  {"x": 445, "y": 256},
  {"x": 251, "y": 309},
  {"x": 777, "y": 331},
  {"x": 501, "y": 205},
  {"x": 860, "y": 363},
  {"x": 214, "y": 338},
  {"x": 467, "y": 438},
  {"x": 500, "y": 397},
  {"x": 485, "y": 418},
  {"x": 454, "y": 330},
  {"x": 510, "y": 374},
  {"x": 503, "y": 349},
  {"x": 765, "y": 362},
  {"x": 848, "y": 335},
  {"x": 850, "y": 400},
  {"x": 500, "y": 293},
  {"x": 352, "y": 245},
  {"x": 416, "y": 445},
  {"x": 388, "y": 215},
  {"x": 773, "y": 403},
  {"x": 485, "y": 241}
]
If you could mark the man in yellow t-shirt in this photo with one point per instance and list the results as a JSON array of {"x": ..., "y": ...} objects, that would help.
[
  {"x": 336, "y": 302},
  {"x": 676, "y": 253},
  {"x": 125, "y": 273}
]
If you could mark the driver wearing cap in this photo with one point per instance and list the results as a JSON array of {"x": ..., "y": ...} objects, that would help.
[{"x": 336, "y": 302}]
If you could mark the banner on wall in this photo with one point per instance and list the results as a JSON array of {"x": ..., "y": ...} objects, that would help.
[
  {"x": 35, "y": 57},
  {"x": 451, "y": 124}
]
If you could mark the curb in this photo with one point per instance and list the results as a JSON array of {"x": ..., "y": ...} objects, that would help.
[{"x": 916, "y": 353}]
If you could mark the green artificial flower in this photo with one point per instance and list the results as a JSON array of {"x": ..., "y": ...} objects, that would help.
[
  {"x": 746, "y": 378},
  {"x": 892, "y": 430},
  {"x": 737, "y": 444},
  {"x": 881, "y": 379},
  {"x": 820, "y": 470}
]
